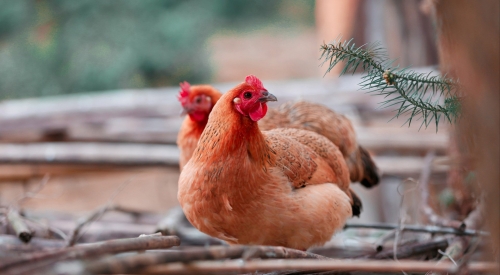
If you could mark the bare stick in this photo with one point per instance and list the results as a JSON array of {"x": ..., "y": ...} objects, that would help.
[
  {"x": 337, "y": 265},
  {"x": 18, "y": 225},
  {"x": 103, "y": 231},
  {"x": 456, "y": 248},
  {"x": 98, "y": 214},
  {"x": 12, "y": 243},
  {"x": 82, "y": 222},
  {"x": 461, "y": 243},
  {"x": 49, "y": 229},
  {"x": 15, "y": 220},
  {"x": 379, "y": 245},
  {"x": 32, "y": 261},
  {"x": 157, "y": 234},
  {"x": 407, "y": 251},
  {"x": 432, "y": 217},
  {"x": 133, "y": 263},
  {"x": 462, "y": 265},
  {"x": 420, "y": 228}
]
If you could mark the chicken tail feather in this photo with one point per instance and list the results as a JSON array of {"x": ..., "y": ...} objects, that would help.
[
  {"x": 357, "y": 206},
  {"x": 371, "y": 175}
]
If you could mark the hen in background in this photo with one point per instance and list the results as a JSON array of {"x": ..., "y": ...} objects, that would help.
[{"x": 197, "y": 102}]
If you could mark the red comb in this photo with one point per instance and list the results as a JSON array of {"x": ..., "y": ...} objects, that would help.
[
  {"x": 183, "y": 95},
  {"x": 254, "y": 81}
]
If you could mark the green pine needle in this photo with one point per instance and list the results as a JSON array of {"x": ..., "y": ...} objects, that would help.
[{"x": 418, "y": 94}]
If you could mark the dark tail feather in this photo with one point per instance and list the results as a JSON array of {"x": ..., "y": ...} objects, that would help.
[
  {"x": 370, "y": 171},
  {"x": 357, "y": 206}
]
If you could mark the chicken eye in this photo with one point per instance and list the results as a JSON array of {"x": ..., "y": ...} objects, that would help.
[
  {"x": 247, "y": 95},
  {"x": 198, "y": 100}
]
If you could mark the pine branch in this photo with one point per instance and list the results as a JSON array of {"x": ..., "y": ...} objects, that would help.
[{"x": 417, "y": 94}]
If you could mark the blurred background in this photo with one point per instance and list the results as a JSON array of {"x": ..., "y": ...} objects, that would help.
[
  {"x": 64, "y": 47},
  {"x": 88, "y": 91}
]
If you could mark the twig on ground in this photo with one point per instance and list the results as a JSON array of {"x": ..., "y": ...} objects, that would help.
[
  {"x": 157, "y": 234},
  {"x": 432, "y": 217},
  {"x": 296, "y": 272},
  {"x": 25, "y": 263},
  {"x": 133, "y": 263},
  {"x": 341, "y": 251},
  {"x": 407, "y": 251},
  {"x": 460, "y": 243},
  {"x": 94, "y": 216},
  {"x": 13, "y": 243},
  {"x": 98, "y": 214},
  {"x": 23, "y": 232},
  {"x": 337, "y": 265},
  {"x": 49, "y": 229},
  {"x": 87, "y": 220},
  {"x": 420, "y": 228},
  {"x": 456, "y": 249},
  {"x": 462, "y": 265},
  {"x": 14, "y": 218},
  {"x": 105, "y": 230},
  {"x": 379, "y": 244},
  {"x": 449, "y": 257}
]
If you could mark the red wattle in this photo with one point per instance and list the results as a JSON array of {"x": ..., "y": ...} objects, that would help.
[
  {"x": 198, "y": 116},
  {"x": 258, "y": 113}
]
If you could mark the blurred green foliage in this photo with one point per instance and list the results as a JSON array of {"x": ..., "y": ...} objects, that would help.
[{"x": 52, "y": 47}]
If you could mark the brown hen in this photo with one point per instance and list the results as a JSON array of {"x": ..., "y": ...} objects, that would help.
[
  {"x": 197, "y": 102},
  {"x": 286, "y": 187}
]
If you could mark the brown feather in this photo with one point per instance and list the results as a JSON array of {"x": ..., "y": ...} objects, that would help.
[{"x": 336, "y": 127}]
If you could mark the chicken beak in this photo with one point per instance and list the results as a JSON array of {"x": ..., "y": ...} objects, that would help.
[{"x": 266, "y": 96}]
